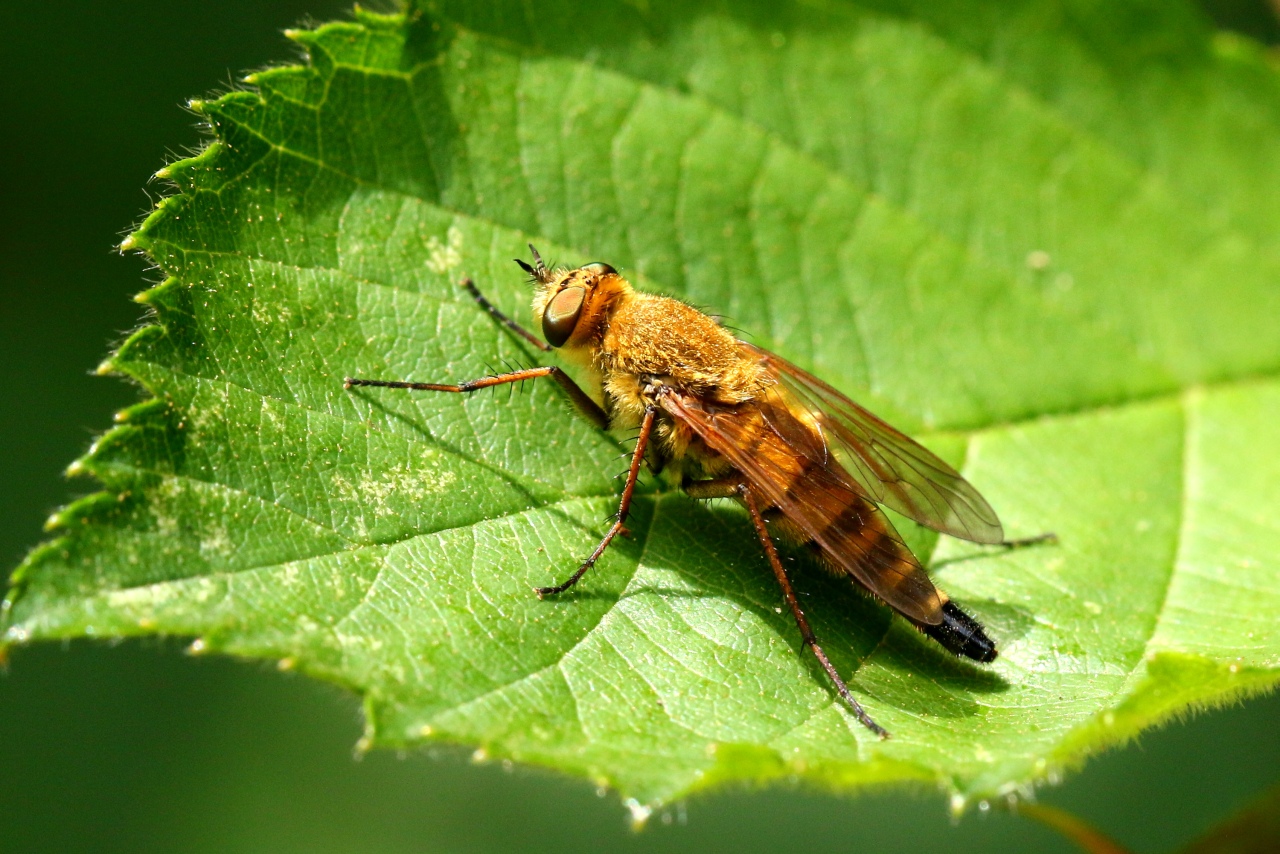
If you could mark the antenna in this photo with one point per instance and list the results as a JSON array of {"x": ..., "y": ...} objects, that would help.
[{"x": 539, "y": 270}]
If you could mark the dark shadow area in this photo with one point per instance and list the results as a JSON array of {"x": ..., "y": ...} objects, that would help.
[
  {"x": 850, "y": 625},
  {"x": 906, "y": 649},
  {"x": 1257, "y": 19},
  {"x": 1049, "y": 541}
]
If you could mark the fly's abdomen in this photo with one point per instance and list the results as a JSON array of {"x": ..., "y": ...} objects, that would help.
[{"x": 962, "y": 634}]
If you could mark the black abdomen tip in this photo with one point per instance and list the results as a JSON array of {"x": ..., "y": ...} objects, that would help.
[{"x": 962, "y": 634}]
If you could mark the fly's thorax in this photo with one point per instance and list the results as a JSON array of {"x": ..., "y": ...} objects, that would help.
[{"x": 653, "y": 336}]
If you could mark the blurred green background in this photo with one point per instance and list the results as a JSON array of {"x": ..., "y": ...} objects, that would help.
[{"x": 138, "y": 747}]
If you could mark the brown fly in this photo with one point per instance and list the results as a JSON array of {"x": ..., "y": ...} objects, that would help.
[{"x": 732, "y": 420}]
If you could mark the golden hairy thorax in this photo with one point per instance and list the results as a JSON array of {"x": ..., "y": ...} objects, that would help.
[
  {"x": 658, "y": 336},
  {"x": 629, "y": 342}
]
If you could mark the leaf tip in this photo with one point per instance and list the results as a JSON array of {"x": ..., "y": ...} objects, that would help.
[
  {"x": 105, "y": 368},
  {"x": 131, "y": 242},
  {"x": 77, "y": 468},
  {"x": 198, "y": 647}
]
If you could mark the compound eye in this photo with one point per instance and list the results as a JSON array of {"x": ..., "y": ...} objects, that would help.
[
  {"x": 561, "y": 315},
  {"x": 599, "y": 268}
]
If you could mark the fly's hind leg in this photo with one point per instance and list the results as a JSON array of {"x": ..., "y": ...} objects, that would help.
[
  {"x": 624, "y": 509},
  {"x": 745, "y": 494}
]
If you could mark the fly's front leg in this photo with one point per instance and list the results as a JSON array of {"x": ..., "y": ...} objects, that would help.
[
  {"x": 624, "y": 508},
  {"x": 580, "y": 398},
  {"x": 470, "y": 287},
  {"x": 748, "y": 499}
]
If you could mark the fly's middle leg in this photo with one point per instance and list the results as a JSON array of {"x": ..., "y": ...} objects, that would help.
[
  {"x": 720, "y": 487},
  {"x": 624, "y": 508}
]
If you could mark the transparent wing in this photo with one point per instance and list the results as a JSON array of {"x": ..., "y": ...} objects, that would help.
[
  {"x": 887, "y": 466},
  {"x": 776, "y": 452}
]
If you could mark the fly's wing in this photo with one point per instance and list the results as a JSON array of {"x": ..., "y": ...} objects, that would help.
[
  {"x": 776, "y": 451},
  {"x": 885, "y": 465}
]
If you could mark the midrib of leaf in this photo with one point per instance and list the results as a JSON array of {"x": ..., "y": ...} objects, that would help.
[{"x": 1190, "y": 449}]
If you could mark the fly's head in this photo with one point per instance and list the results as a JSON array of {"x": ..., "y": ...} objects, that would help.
[{"x": 573, "y": 306}]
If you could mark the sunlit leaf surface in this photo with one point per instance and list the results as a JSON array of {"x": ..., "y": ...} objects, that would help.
[{"x": 1040, "y": 235}]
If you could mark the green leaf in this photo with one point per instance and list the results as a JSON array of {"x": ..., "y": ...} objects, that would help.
[{"x": 1039, "y": 234}]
